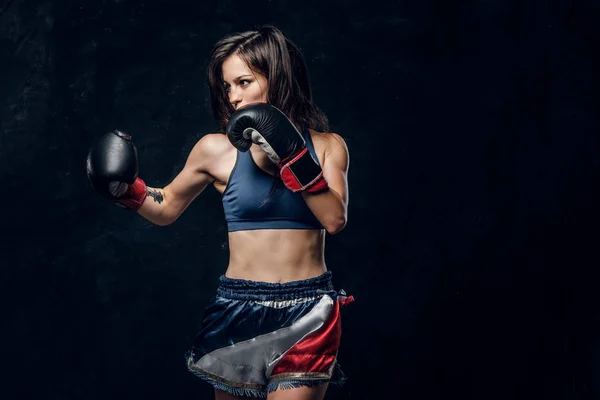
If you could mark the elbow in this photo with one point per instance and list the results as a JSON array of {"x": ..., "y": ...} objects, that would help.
[
  {"x": 162, "y": 222},
  {"x": 335, "y": 225},
  {"x": 165, "y": 219},
  {"x": 169, "y": 214}
]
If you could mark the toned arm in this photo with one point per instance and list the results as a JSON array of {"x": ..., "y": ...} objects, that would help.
[
  {"x": 331, "y": 206},
  {"x": 164, "y": 205}
]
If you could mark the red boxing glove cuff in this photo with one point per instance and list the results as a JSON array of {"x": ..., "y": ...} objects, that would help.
[
  {"x": 134, "y": 196},
  {"x": 318, "y": 185},
  {"x": 301, "y": 172}
]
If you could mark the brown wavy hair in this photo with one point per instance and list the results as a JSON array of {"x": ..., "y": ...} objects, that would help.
[{"x": 267, "y": 51}]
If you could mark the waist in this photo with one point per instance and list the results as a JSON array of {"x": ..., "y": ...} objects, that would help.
[
  {"x": 293, "y": 252},
  {"x": 242, "y": 289}
]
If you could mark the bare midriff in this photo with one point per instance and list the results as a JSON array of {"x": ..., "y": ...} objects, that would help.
[{"x": 276, "y": 255}]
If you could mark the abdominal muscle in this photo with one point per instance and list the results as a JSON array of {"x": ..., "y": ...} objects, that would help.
[{"x": 276, "y": 255}]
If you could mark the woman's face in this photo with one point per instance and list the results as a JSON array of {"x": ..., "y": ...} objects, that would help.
[{"x": 242, "y": 85}]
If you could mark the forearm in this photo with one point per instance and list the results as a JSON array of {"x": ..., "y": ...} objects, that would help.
[
  {"x": 329, "y": 208},
  {"x": 155, "y": 207}
]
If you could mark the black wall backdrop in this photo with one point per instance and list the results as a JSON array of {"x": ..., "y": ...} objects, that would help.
[{"x": 471, "y": 245}]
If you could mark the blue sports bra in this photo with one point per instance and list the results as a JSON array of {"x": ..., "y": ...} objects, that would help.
[{"x": 248, "y": 204}]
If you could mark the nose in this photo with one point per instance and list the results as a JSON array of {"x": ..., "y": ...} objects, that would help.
[{"x": 235, "y": 97}]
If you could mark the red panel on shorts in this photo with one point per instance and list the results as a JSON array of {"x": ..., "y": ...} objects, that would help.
[{"x": 317, "y": 351}]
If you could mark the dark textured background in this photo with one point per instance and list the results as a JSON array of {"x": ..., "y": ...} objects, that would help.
[{"x": 472, "y": 242}]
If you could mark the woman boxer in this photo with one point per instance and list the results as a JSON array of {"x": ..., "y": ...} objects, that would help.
[{"x": 273, "y": 329}]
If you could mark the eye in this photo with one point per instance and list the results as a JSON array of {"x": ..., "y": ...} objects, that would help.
[{"x": 244, "y": 82}]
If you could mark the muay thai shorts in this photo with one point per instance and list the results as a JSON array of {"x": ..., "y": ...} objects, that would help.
[{"x": 258, "y": 337}]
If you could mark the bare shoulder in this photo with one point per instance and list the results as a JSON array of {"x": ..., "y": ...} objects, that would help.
[
  {"x": 328, "y": 144},
  {"x": 336, "y": 142},
  {"x": 210, "y": 152},
  {"x": 328, "y": 139},
  {"x": 212, "y": 144}
]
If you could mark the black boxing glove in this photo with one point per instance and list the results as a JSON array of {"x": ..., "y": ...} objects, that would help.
[
  {"x": 267, "y": 126},
  {"x": 112, "y": 169}
]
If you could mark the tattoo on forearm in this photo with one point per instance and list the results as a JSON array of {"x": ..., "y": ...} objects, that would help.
[{"x": 155, "y": 194}]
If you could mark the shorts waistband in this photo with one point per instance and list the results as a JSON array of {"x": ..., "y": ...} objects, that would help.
[{"x": 242, "y": 289}]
